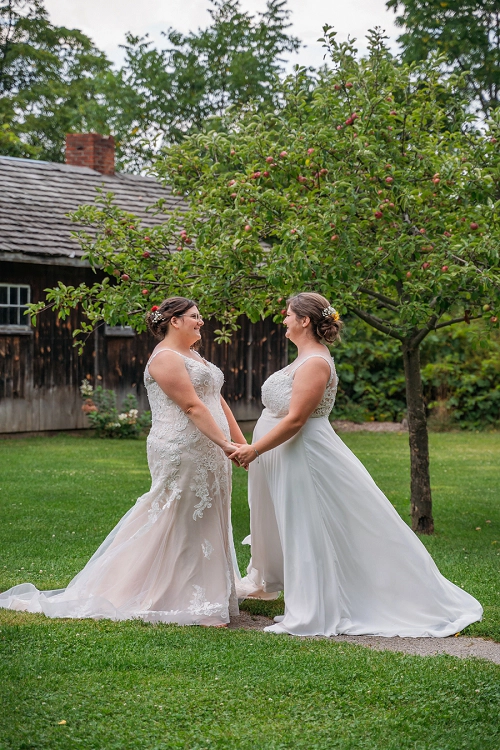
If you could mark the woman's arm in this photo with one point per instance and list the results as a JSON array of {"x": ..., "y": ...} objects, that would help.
[
  {"x": 234, "y": 430},
  {"x": 309, "y": 385},
  {"x": 172, "y": 377}
]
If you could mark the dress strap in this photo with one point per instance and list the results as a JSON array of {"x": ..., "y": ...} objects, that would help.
[
  {"x": 164, "y": 349},
  {"x": 329, "y": 360}
]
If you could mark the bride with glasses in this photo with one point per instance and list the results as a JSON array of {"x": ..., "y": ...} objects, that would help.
[
  {"x": 321, "y": 529},
  {"x": 171, "y": 557}
]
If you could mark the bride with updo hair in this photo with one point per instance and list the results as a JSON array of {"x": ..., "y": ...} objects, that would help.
[
  {"x": 321, "y": 530},
  {"x": 171, "y": 557}
]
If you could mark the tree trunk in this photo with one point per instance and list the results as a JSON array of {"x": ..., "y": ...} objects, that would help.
[{"x": 421, "y": 501}]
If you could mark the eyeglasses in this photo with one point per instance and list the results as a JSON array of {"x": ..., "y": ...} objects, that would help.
[{"x": 195, "y": 316}]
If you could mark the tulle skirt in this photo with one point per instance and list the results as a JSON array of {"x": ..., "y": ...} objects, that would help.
[{"x": 159, "y": 564}]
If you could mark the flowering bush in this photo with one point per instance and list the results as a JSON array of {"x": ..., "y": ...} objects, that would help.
[{"x": 100, "y": 407}]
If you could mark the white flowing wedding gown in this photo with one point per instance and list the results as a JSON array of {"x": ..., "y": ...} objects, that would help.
[
  {"x": 171, "y": 557},
  {"x": 322, "y": 531}
]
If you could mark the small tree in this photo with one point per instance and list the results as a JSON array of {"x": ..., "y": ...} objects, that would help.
[{"x": 369, "y": 185}]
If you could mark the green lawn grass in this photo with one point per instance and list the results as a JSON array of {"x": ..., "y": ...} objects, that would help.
[{"x": 129, "y": 685}]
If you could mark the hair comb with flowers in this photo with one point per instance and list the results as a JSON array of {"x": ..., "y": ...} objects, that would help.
[
  {"x": 330, "y": 312},
  {"x": 156, "y": 315}
]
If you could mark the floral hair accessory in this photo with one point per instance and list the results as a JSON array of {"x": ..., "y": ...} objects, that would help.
[
  {"x": 156, "y": 315},
  {"x": 330, "y": 312}
]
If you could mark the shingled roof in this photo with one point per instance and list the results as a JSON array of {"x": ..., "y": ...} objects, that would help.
[{"x": 36, "y": 198}]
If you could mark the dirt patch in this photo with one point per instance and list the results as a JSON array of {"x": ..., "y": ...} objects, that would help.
[{"x": 247, "y": 621}]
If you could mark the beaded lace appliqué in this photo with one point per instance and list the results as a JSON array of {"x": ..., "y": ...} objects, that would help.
[
  {"x": 199, "y": 605},
  {"x": 277, "y": 392},
  {"x": 174, "y": 439}
]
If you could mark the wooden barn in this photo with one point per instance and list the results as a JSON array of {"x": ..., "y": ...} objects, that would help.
[{"x": 40, "y": 370}]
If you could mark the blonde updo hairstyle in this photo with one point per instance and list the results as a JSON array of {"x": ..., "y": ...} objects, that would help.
[
  {"x": 311, "y": 305},
  {"x": 173, "y": 307}
]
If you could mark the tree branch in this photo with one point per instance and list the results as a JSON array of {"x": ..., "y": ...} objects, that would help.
[
  {"x": 377, "y": 323},
  {"x": 380, "y": 297},
  {"x": 457, "y": 320},
  {"x": 420, "y": 336}
]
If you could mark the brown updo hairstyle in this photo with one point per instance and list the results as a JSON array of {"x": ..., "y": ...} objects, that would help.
[
  {"x": 311, "y": 305},
  {"x": 173, "y": 307}
]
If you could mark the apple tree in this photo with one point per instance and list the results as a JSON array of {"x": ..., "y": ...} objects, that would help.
[{"x": 370, "y": 184}]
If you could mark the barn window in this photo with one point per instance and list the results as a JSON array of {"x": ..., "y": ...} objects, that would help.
[
  {"x": 119, "y": 331},
  {"x": 14, "y": 299}
]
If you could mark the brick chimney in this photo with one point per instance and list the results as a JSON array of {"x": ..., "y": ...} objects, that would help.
[{"x": 91, "y": 150}]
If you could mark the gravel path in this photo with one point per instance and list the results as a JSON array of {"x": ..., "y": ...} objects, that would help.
[
  {"x": 341, "y": 425},
  {"x": 462, "y": 647}
]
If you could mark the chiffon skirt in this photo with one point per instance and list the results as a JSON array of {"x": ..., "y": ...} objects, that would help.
[{"x": 322, "y": 531}]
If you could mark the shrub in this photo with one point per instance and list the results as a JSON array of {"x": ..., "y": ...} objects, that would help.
[
  {"x": 101, "y": 409},
  {"x": 460, "y": 375}
]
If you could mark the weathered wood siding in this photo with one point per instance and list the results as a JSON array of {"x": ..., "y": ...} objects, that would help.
[
  {"x": 255, "y": 352},
  {"x": 41, "y": 371}
]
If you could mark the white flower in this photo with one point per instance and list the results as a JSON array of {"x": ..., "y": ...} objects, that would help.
[
  {"x": 133, "y": 413},
  {"x": 86, "y": 389},
  {"x": 122, "y": 417}
]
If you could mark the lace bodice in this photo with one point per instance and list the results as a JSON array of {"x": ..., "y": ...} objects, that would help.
[
  {"x": 277, "y": 390},
  {"x": 173, "y": 436},
  {"x": 207, "y": 380}
]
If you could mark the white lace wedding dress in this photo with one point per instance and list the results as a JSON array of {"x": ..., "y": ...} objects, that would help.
[
  {"x": 171, "y": 557},
  {"x": 322, "y": 531}
]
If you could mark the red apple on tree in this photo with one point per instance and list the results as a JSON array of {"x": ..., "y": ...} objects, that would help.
[
  {"x": 125, "y": 277},
  {"x": 473, "y": 225}
]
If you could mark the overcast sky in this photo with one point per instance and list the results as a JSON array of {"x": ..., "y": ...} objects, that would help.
[{"x": 107, "y": 21}]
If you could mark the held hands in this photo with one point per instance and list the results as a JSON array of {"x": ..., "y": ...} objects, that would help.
[
  {"x": 229, "y": 449},
  {"x": 243, "y": 455}
]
